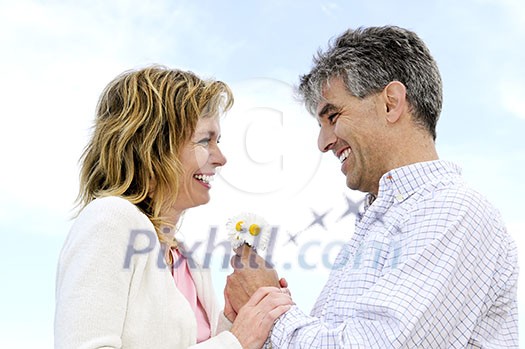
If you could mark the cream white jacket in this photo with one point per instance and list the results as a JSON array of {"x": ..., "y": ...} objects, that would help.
[{"x": 113, "y": 289}]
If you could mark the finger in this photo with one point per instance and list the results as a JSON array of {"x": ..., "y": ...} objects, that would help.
[
  {"x": 233, "y": 286},
  {"x": 286, "y": 291},
  {"x": 229, "y": 312},
  {"x": 250, "y": 258},
  {"x": 254, "y": 260},
  {"x": 229, "y": 283},
  {"x": 260, "y": 294},
  {"x": 246, "y": 257},
  {"x": 243, "y": 250},
  {"x": 279, "y": 296},
  {"x": 283, "y": 282},
  {"x": 274, "y": 314},
  {"x": 273, "y": 300},
  {"x": 269, "y": 318},
  {"x": 236, "y": 262}
]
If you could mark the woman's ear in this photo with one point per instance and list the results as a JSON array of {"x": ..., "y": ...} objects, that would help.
[
  {"x": 152, "y": 187},
  {"x": 395, "y": 97}
]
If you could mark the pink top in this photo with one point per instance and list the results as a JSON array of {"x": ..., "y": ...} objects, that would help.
[{"x": 184, "y": 281}]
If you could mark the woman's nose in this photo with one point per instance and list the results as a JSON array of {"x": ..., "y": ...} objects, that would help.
[{"x": 219, "y": 158}]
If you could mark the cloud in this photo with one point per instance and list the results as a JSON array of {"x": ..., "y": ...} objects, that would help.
[{"x": 56, "y": 59}]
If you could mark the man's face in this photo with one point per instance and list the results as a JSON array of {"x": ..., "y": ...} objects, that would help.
[{"x": 352, "y": 129}]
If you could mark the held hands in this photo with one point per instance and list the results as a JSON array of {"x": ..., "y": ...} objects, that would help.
[
  {"x": 232, "y": 314},
  {"x": 256, "y": 318},
  {"x": 254, "y": 297},
  {"x": 250, "y": 273}
]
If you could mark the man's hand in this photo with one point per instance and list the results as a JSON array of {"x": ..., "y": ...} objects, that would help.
[
  {"x": 228, "y": 309},
  {"x": 250, "y": 273}
]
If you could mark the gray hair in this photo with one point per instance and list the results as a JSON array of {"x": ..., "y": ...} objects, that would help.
[{"x": 368, "y": 59}]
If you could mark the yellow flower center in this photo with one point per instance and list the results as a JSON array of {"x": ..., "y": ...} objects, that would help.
[
  {"x": 238, "y": 226},
  {"x": 254, "y": 229}
]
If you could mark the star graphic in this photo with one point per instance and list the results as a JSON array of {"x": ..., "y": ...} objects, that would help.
[
  {"x": 318, "y": 219},
  {"x": 292, "y": 238},
  {"x": 352, "y": 207}
]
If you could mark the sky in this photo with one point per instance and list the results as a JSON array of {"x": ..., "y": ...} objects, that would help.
[{"x": 57, "y": 56}]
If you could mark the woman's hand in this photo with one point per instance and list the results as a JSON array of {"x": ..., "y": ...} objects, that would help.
[{"x": 255, "y": 319}]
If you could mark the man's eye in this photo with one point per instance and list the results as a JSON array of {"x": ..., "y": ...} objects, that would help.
[{"x": 333, "y": 117}]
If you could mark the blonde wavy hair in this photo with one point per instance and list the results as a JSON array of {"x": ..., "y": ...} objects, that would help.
[{"x": 143, "y": 119}]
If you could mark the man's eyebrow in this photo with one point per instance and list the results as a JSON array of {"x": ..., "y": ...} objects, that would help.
[{"x": 328, "y": 108}]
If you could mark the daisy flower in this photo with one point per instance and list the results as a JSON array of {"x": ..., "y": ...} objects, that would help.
[{"x": 250, "y": 229}]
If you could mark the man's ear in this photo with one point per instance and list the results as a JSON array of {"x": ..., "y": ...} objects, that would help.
[{"x": 394, "y": 95}]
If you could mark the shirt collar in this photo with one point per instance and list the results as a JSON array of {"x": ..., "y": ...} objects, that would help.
[{"x": 404, "y": 181}]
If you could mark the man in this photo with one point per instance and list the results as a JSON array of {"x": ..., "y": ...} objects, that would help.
[{"x": 430, "y": 263}]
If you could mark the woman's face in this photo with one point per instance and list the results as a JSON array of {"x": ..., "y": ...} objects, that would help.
[{"x": 199, "y": 157}]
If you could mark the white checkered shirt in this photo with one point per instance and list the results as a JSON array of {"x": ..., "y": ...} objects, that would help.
[{"x": 430, "y": 265}]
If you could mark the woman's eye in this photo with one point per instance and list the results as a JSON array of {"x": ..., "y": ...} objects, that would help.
[{"x": 204, "y": 141}]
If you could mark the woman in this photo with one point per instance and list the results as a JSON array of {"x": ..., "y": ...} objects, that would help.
[{"x": 122, "y": 281}]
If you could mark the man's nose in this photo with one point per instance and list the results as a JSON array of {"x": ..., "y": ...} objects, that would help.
[{"x": 326, "y": 139}]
